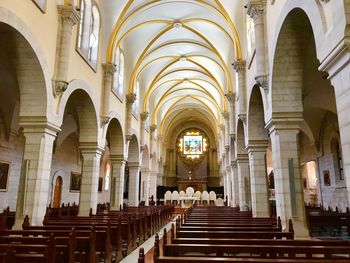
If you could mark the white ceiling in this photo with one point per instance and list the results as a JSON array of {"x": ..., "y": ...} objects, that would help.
[{"x": 180, "y": 51}]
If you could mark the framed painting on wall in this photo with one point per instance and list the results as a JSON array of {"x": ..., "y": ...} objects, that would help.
[
  {"x": 326, "y": 178},
  {"x": 75, "y": 182},
  {"x": 100, "y": 183},
  {"x": 4, "y": 174}
]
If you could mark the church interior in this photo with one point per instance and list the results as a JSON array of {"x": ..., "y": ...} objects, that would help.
[{"x": 174, "y": 131}]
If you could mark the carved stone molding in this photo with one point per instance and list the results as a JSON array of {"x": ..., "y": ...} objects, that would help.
[
  {"x": 256, "y": 9},
  {"x": 144, "y": 115},
  {"x": 68, "y": 15},
  {"x": 105, "y": 120},
  {"x": 59, "y": 87},
  {"x": 239, "y": 65},
  {"x": 131, "y": 98},
  {"x": 153, "y": 127},
  {"x": 109, "y": 69},
  {"x": 262, "y": 82},
  {"x": 231, "y": 97}
]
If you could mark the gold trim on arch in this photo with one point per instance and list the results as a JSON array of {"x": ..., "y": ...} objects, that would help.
[
  {"x": 198, "y": 88},
  {"x": 174, "y": 120},
  {"x": 143, "y": 56},
  {"x": 170, "y": 110},
  {"x": 151, "y": 91},
  {"x": 199, "y": 71},
  {"x": 161, "y": 103},
  {"x": 122, "y": 19}
]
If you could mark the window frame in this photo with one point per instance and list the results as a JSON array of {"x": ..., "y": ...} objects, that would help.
[{"x": 84, "y": 49}]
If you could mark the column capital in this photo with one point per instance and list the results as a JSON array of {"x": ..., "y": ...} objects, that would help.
[
  {"x": 90, "y": 148},
  {"x": 118, "y": 158},
  {"x": 144, "y": 115},
  {"x": 38, "y": 124},
  {"x": 234, "y": 164},
  {"x": 222, "y": 127},
  {"x": 60, "y": 86},
  {"x": 257, "y": 145},
  {"x": 68, "y": 15},
  {"x": 239, "y": 65},
  {"x": 233, "y": 136},
  {"x": 263, "y": 82},
  {"x": 159, "y": 136},
  {"x": 227, "y": 147},
  {"x": 109, "y": 69},
  {"x": 285, "y": 121},
  {"x": 230, "y": 97},
  {"x": 242, "y": 157},
  {"x": 153, "y": 127},
  {"x": 131, "y": 98},
  {"x": 256, "y": 9},
  {"x": 242, "y": 117},
  {"x": 134, "y": 165}
]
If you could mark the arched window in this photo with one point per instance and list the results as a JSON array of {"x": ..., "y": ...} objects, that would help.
[
  {"x": 107, "y": 176},
  {"x": 118, "y": 79},
  {"x": 337, "y": 153},
  {"x": 136, "y": 105},
  {"x": 89, "y": 31}
]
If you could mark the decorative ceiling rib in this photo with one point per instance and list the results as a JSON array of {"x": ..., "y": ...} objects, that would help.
[{"x": 179, "y": 51}]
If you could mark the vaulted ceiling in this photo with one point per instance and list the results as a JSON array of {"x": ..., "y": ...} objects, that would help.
[{"x": 180, "y": 51}]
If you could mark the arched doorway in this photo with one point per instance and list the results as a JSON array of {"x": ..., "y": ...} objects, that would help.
[{"x": 57, "y": 192}]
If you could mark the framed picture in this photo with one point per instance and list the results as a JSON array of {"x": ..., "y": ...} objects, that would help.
[
  {"x": 41, "y": 4},
  {"x": 100, "y": 183},
  {"x": 4, "y": 174},
  {"x": 326, "y": 178},
  {"x": 75, "y": 182}
]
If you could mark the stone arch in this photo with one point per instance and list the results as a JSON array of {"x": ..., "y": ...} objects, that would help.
[
  {"x": 134, "y": 150},
  {"x": 256, "y": 123},
  {"x": 240, "y": 139},
  {"x": 316, "y": 19},
  {"x": 82, "y": 107},
  {"x": 115, "y": 138},
  {"x": 287, "y": 64},
  {"x": 30, "y": 66}
]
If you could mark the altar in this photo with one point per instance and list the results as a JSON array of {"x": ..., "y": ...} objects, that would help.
[
  {"x": 184, "y": 200},
  {"x": 197, "y": 185}
]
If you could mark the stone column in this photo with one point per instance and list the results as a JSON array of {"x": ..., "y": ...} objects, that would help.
[
  {"x": 243, "y": 175},
  {"x": 338, "y": 67},
  {"x": 34, "y": 182},
  {"x": 241, "y": 97},
  {"x": 288, "y": 182},
  {"x": 258, "y": 178},
  {"x": 226, "y": 116},
  {"x": 134, "y": 179},
  {"x": 108, "y": 70},
  {"x": 228, "y": 185},
  {"x": 256, "y": 10},
  {"x": 68, "y": 17},
  {"x": 234, "y": 181},
  {"x": 153, "y": 185},
  {"x": 145, "y": 179},
  {"x": 88, "y": 197},
  {"x": 143, "y": 116},
  {"x": 130, "y": 99},
  {"x": 118, "y": 176},
  {"x": 153, "y": 146},
  {"x": 232, "y": 113}
]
